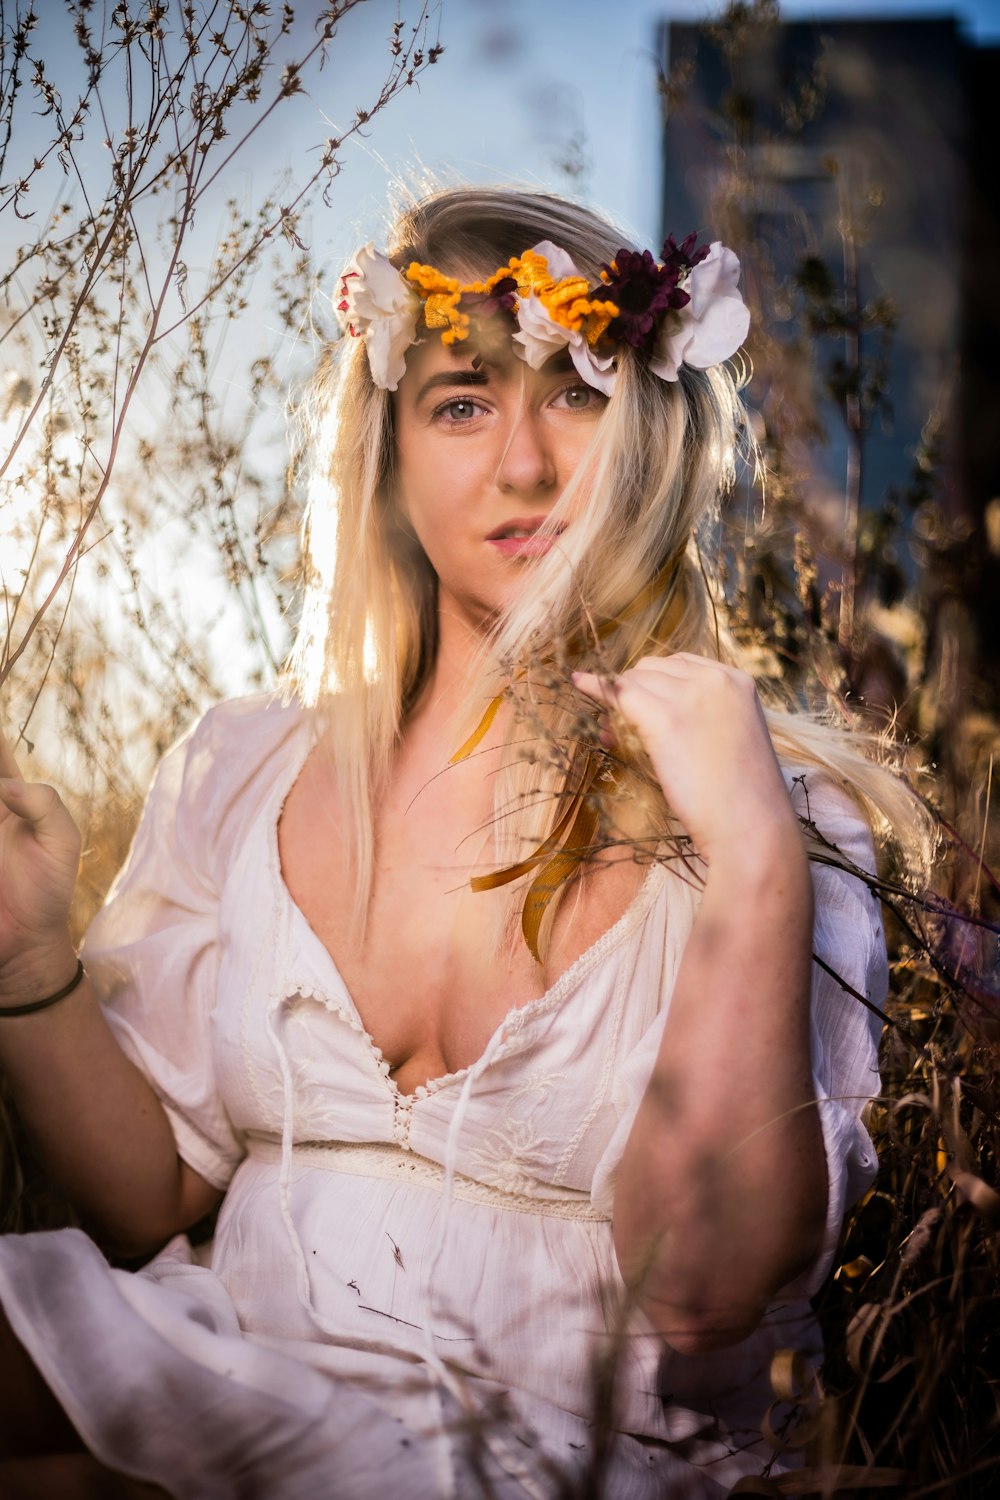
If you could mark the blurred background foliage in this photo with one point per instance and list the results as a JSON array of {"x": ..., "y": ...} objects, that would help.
[
  {"x": 875, "y": 598},
  {"x": 149, "y": 531}
]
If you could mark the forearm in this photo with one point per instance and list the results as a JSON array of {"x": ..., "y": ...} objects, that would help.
[
  {"x": 721, "y": 1195},
  {"x": 99, "y": 1131}
]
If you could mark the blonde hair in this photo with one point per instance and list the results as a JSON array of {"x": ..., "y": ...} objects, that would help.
[{"x": 662, "y": 456}]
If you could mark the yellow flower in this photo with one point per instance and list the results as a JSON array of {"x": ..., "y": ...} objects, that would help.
[
  {"x": 427, "y": 280},
  {"x": 567, "y": 303},
  {"x": 530, "y": 271},
  {"x": 485, "y": 288},
  {"x": 441, "y": 311},
  {"x": 598, "y": 316},
  {"x": 441, "y": 295}
]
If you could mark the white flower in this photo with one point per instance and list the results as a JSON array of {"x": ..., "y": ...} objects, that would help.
[
  {"x": 374, "y": 302},
  {"x": 558, "y": 260},
  {"x": 713, "y": 325},
  {"x": 540, "y": 336}
]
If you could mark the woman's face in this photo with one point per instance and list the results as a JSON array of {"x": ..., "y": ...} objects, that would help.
[{"x": 481, "y": 458}]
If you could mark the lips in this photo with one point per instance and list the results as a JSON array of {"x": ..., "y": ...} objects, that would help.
[
  {"x": 518, "y": 537},
  {"x": 517, "y": 526}
]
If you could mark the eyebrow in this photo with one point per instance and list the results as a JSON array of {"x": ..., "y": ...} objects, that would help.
[
  {"x": 453, "y": 377},
  {"x": 558, "y": 364}
]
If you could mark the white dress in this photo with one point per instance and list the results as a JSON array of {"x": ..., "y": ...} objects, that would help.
[{"x": 405, "y": 1295}]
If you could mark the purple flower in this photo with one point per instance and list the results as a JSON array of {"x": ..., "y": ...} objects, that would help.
[
  {"x": 502, "y": 297},
  {"x": 685, "y": 256},
  {"x": 643, "y": 291}
]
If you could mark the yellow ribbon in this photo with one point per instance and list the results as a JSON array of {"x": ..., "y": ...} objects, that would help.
[
  {"x": 561, "y": 868},
  {"x": 574, "y": 832},
  {"x": 577, "y": 826},
  {"x": 467, "y": 747}
]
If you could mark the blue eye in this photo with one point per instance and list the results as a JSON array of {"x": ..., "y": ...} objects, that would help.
[{"x": 460, "y": 410}]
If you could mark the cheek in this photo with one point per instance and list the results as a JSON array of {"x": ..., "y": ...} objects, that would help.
[
  {"x": 421, "y": 513},
  {"x": 409, "y": 486},
  {"x": 415, "y": 507},
  {"x": 435, "y": 491},
  {"x": 583, "y": 473}
]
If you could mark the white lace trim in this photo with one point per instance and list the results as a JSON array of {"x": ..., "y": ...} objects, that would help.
[{"x": 385, "y": 1160}]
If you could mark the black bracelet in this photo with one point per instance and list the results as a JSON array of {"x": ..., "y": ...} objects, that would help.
[{"x": 67, "y": 989}]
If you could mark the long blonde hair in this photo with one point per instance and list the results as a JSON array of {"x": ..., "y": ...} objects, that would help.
[{"x": 663, "y": 455}]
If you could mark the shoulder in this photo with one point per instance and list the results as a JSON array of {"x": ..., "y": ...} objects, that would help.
[
  {"x": 834, "y": 820},
  {"x": 848, "y": 934},
  {"x": 226, "y": 765},
  {"x": 257, "y": 725}
]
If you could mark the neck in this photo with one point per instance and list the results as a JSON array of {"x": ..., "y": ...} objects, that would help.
[{"x": 437, "y": 711}]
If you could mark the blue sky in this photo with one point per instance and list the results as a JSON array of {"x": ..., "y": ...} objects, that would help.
[
  {"x": 521, "y": 82},
  {"x": 520, "y": 79}
]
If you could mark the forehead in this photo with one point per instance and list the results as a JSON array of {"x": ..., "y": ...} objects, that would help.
[{"x": 467, "y": 362}]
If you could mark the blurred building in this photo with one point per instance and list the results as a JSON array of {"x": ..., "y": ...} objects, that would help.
[{"x": 852, "y": 165}]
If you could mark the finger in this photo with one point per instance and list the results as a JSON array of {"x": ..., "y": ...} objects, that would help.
[
  {"x": 660, "y": 663},
  {"x": 30, "y": 800},
  {"x": 665, "y": 688},
  {"x": 8, "y": 765},
  {"x": 39, "y": 805},
  {"x": 634, "y": 709},
  {"x": 685, "y": 664},
  {"x": 622, "y": 696},
  {"x": 602, "y": 690},
  {"x": 11, "y": 793}
]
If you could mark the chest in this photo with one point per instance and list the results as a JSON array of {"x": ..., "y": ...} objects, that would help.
[{"x": 428, "y": 970}]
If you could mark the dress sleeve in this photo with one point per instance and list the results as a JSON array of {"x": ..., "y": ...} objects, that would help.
[
  {"x": 849, "y": 939},
  {"x": 153, "y": 954},
  {"x": 844, "y": 1034}
]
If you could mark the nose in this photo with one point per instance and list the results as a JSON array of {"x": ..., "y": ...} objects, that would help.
[{"x": 527, "y": 464}]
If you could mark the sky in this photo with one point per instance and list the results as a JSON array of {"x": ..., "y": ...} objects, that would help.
[
  {"x": 522, "y": 87},
  {"x": 523, "y": 81}
]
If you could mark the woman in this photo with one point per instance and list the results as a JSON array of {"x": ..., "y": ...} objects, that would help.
[{"x": 475, "y": 979}]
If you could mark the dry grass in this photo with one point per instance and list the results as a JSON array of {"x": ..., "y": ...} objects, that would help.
[{"x": 101, "y": 667}]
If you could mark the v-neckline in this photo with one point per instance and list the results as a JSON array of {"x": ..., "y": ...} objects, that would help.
[{"x": 513, "y": 1020}]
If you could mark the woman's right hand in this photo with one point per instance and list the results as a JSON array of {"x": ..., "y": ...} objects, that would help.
[{"x": 39, "y": 859}]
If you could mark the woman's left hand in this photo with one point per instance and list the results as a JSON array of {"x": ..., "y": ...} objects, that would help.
[{"x": 702, "y": 726}]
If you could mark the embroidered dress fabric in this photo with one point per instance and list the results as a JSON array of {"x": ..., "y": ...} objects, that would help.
[{"x": 403, "y": 1293}]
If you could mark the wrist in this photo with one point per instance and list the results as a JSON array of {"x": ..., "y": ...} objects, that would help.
[{"x": 37, "y": 972}]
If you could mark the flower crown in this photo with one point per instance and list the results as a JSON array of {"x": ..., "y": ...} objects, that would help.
[{"x": 684, "y": 309}]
